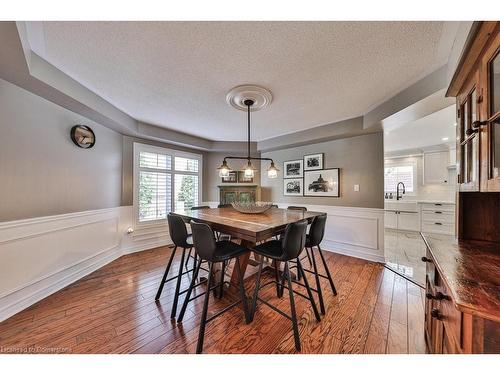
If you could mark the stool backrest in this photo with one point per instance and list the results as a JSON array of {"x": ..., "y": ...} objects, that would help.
[
  {"x": 199, "y": 207},
  {"x": 177, "y": 230},
  {"x": 224, "y": 205},
  {"x": 203, "y": 240},
  {"x": 297, "y": 208},
  {"x": 317, "y": 230},
  {"x": 294, "y": 239}
]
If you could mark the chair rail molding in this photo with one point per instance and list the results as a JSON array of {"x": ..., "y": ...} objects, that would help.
[
  {"x": 352, "y": 231},
  {"x": 40, "y": 256}
]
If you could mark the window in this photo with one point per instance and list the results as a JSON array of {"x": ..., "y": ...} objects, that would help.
[
  {"x": 164, "y": 180},
  {"x": 399, "y": 173}
]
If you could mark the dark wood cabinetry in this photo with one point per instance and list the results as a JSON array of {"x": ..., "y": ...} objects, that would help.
[{"x": 462, "y": 306}]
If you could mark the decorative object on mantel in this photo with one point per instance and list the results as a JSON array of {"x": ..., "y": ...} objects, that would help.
[
  {"x": 252, "y": 208},
  {"x": 293, "y": 169},
  {"x": 244, "y": 180},
  {"x": 249, "y": 98},
  {"x": 322, "y": 183},
  {"x": 82, "y": 136},
  {"x": 293, "y": 187},
  {"x": 313, "y": 162},
  {"x": 230, "y": 178}
]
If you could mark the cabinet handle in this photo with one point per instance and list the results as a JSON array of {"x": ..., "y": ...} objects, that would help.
[
  {"x": 438, "y": 212},
  {"x": 437, "y": 204},
  {"x": 436, "y": 314},
  {"x": 438, "y": 223},
  {"x": 425, "y": 259},
  {"x": 429, "y": 296},
  {"x": 440, "y": 296}
]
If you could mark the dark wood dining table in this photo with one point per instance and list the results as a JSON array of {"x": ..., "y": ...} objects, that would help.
[{"x": 249, "y": 228}]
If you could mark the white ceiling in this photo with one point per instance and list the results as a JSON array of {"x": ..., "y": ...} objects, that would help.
[
  {"x": 176, "y": 74},
  {"x": 423, "y": 133}
]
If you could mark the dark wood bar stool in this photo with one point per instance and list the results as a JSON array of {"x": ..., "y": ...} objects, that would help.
[
  {"x": 180, "y": 238},
  {"x": 290, "y": 247},
  {"x": 212, "y": 251}
]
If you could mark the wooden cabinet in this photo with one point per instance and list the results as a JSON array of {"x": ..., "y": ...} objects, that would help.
[
  {"x": 455, "y": 323},
  {"x": 239, "y": 193},
  {"x": 436, "y": 167}
]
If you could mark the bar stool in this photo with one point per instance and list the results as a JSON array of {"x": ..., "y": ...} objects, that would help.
[
  {"x": 180, "y": 238},
  {"x": 189, "y": 254},
  {"x": 289, "y": 248},
  {"x": 303, "y": 209},
  {"x": 225, "y": 205},
  {"x": 314, "y": 239},
  {"x": 212, "y": 251}
]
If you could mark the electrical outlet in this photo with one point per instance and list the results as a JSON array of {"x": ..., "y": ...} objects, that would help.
[{"x": 356, "y": 187}]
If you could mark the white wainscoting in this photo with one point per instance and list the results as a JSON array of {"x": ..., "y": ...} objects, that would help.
[
  {"x": 353, "y": 231},
  {"x": 42, "y": 255}
]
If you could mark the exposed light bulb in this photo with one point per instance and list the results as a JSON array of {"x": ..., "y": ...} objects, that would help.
[
  {"x": 223, "y": 170},
  {"x": 248, "y": 171},
  {"x": 272, "y": 171}
]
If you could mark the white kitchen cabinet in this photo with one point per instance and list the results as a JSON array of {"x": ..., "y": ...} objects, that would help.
[
  {"x": 390, "y": 220},
  {"x": 402, "y": 220},
  {"x": 436, "y": 167}
]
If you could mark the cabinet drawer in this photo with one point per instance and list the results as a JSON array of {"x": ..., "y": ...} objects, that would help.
[
  {"x": 446, "y": 207},
  {"x": 438, "y": 227},
  {"x": 438, "y": 216}
]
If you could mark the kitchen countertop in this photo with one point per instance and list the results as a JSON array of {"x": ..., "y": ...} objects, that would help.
[
  {"x": 471, "y": 270},
  {"x": 419, "y": 201}
]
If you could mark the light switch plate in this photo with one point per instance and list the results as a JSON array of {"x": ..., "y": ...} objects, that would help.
[{"x": 356, "y": 187}]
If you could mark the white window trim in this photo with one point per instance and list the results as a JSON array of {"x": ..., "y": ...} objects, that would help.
[
  {"x": 138, "y": 147},
  {"x": 401, "y": 162}
]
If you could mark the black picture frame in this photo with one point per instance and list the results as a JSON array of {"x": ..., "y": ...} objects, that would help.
[
  {"x": 311, "y": 177},
  {"x": 300, "y": 174},
  {"x": 320, "y": 162},
  {"x": 231, "y": 179}
]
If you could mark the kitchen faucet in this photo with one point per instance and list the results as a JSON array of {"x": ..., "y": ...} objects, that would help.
[{"x": 398, "y": 197}]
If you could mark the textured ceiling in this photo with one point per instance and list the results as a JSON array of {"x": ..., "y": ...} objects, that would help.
[
  {"x": 176, "y": 74},
  {"x": 424, "y": 132}
]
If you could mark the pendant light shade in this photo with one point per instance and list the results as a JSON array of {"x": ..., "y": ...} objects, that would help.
[
  {"x": 223, "y": 169},
  {"x": 272, "y": 171},
  {"x": 249, "y": 171}
]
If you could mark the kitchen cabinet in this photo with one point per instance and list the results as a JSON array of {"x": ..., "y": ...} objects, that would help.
[{"x": 436, "y": 167}]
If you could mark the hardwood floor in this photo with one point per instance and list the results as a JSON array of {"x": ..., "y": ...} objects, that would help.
[{"x": 113, "y": 311}]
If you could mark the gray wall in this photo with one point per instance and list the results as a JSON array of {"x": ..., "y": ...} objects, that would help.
[
  {"x": 41, "y": 171},
  {"x": 211, "y": 178},
  {"x": 360, "y": 159}
]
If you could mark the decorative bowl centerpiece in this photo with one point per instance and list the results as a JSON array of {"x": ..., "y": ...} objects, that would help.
[{"x": 252, "y": 208}]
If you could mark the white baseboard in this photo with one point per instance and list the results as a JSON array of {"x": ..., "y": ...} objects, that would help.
[{"x": 43, "y": 255}]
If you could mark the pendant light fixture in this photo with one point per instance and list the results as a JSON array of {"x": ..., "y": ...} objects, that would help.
[{"x": 249, "y": 98}]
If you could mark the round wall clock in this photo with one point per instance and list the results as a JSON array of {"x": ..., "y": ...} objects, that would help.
[{"x": 82, "y": 136}]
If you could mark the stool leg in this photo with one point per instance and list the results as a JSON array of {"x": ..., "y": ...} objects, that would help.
[
  {"x": 203, "y": 322},
  {"x": 257, "y": 287},
  {"x": 177, "y": 286},
  {"x": 188, "y": 294},
  {"x": 309, "y": 292},
  {"x": 327, "y": 272},
  {"x": 243, "y": 295},
  {"x": 277, "y": 279},
  {"x": 160, "y": 288},
  {"x": 308, "y": 257},
  {"x": 318, "y": 283},
  {"x": 222, "y": 272},
  {"x": 186, "y": 263},
  {"x": 295, "y": 326}
]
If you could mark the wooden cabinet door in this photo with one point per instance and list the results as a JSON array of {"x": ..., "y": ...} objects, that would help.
[
  {"x": 490, "y": 115},
  {"x": 468, "y": 152}
]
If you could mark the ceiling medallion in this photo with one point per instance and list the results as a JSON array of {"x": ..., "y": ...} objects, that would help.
[{"x": 260, "y": 96}]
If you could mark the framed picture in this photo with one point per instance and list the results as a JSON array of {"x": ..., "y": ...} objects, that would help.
[
  {"x": 243, "y": 179},
  {"x": 293, "y": 169},
  {"x": 313, "y": 162},
  {"x": 232, "y": 178},
  {"x": 322, "y": 183},
  {"x": 293, "y": 186}
]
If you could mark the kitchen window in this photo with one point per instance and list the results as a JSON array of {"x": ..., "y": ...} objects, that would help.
[
  {"x": 404, "y": 173},
  {"x": 165, "y": 180}
]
